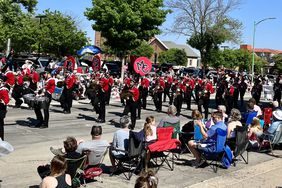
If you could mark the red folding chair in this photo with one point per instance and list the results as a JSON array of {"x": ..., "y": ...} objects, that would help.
[
  {"x": 267, "y": 115},
  {"x": 162, "y": 148}
]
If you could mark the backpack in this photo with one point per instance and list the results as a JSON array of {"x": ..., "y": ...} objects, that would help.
[{"x": 227, "y": 158}]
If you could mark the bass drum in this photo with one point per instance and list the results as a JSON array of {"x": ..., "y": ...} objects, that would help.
[
  {"x": 42, "y": 102},
  {"x": 29, "y": 99}
]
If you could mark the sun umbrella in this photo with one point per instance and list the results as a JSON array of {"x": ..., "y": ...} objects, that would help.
[{"x": 89, "y": 49}]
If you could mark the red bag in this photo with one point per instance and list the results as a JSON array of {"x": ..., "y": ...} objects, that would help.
[{"x": 92, "y": 172}]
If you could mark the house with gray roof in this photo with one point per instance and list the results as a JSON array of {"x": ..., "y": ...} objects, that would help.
[{"x": 160, "y": 46}]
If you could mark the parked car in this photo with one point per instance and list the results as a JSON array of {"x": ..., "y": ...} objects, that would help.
[
  {"x": 40, "y": 62},
  {"x": 192, "y": 71},
  {"x": 114, "y": 67}
]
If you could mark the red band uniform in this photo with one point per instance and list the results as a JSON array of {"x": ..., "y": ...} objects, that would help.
[
  {"x": 133, "y": 104},
  {"x": 67, "y": 96},
  {"x": 102, "y": 96},
  {"x": 18, "y": 90},
  {"x": 4, "y": 100},
  {"x": 145, "y": 83},
  {"x": 49, "y": 88}
]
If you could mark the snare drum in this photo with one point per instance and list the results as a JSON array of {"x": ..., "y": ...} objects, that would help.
[
  {"x": 29, "y": 99},
  {"x": 42, "y": 102}
]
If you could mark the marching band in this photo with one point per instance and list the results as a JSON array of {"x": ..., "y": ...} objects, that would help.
[{"x": 134, "y": 92}]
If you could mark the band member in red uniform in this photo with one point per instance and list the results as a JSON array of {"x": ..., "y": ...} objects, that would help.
[
  {"x": 47, "y": 92},
  {"x": 133, "y": 104},
  {"x": 34, "y": 79},
  {"x": 228, "y": 96},
  {"x": 18, "y": 90},
  {"x": 145, "y": 83},
  {"x": 102, "y": 96},
  {"x": 189, "y": 92},
  {"x": 4, "y": 100},
  {"x": 207, "y": 91},
  {"x": 111, "y": 83},
  {"x": 10, "y": 79},
  {"x": 158, "y": 93},
  {"x": 67, "y": 97},
  {"x": 125, "y": 89},
  {"x": 178, "y": 98},
  {"x": 168, "y": 82}
]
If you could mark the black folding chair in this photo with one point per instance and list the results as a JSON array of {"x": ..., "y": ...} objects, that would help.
[
  {"x": 241, "y": 144},
  {"x": 131, "y": 161}
]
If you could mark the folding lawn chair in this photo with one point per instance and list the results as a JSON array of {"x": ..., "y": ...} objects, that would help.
[
  {"x": 213, "y": 151},
  {"x": 249, "y": 116},
  {"x": 163, "y": 147},
  {"x": 241, "y": 144},
  {"x": 131, "y": 161},
  {"x": 94, "y": 162},
  {"x": 75, "y": 168},
  {"x": 272, "y": 139},
  {"x": 176, "y": 128}
]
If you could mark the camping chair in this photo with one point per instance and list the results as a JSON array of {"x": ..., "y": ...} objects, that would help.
[
  {"x": 175, "y": 135},
  {"x": 241, "y": 144},
  {"x": 249, "y": 116},
  {"x": 163, "y": 147},
  {"x": 267, "y": 115},
  {"x": 272, "y": 139},
  {"x": 94, "y": 162},
  {"x": 75, "y": 168},
  {"x": 131, "y": 162},
  {"x": 186, "y": 134},
  {"x": 213, "y": 151},
  {"x": 176, "y": 128}
]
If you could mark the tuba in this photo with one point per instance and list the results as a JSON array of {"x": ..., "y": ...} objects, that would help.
[{"x": 125, "y": 94}]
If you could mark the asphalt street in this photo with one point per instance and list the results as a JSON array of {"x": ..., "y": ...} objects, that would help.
[{"x": 32, "y": 145}]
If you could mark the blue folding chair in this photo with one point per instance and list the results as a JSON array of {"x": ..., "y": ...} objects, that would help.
[
  {"x": 214, "y": 150},
  {"x": 249, "y": 116}
]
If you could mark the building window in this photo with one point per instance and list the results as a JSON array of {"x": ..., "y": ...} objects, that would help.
[{"x": 190, "y": 63}]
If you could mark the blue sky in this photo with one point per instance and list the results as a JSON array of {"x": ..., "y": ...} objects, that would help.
[{"x": 268, "y": 33}]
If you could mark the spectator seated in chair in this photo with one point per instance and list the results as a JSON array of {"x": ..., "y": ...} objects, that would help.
[
  {"x": 171, "y": 118},
  {"x": 70, "y": 146},
  {"x": 250, "y": 114},
  {"x": 150, "y": 130},
  {"x": 120, "y": 141},
  {"x": 277, "y": 121},
  {"x": 97, "y": 145},
  {"x": 256, "y": 107},
  {"x": 254, "y": 132},
  {"x": 57, "y": 178},
  {"x": 269, "y": 134},
  {"x": 210, "y": 136},
  {"x": 197, "y": 116},
  {"x": 234, "y": 121}
]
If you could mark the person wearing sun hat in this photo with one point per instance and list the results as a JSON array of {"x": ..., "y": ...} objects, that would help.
[{"x": 277, "y": 121}]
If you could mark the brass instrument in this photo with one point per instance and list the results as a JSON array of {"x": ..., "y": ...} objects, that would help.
[{"x": 125, "y": 94}]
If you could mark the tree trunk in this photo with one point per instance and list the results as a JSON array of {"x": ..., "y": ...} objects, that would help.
[{"x": 122, "y": 69}]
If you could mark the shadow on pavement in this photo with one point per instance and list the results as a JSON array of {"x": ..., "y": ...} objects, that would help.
[{"x": 89, "y": 118}]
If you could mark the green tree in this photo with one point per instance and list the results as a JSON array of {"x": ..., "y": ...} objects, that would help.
[
  {"x": 126, "y": 23},
  {"x": 143, "y": 50},
  {"x": 278, "y": 64},
  {"x": 174, "y": 56},
  {"x": 206, "y": 23},
  {"x": 59, "y": 35},
  {"x": 236, "y": 59},
  {"x": 10, "y": 10}
]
